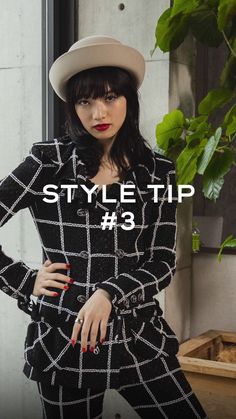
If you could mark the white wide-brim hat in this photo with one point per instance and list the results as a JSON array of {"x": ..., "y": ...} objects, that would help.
[{"x": 95, "y": 51}]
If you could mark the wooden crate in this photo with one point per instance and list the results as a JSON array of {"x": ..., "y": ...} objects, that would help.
[{"x": 213, "y": 382}]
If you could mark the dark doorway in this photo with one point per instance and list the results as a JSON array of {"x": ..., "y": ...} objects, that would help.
[{"x": 59, "y": 32}]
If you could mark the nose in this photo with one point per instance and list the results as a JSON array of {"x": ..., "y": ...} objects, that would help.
[{"x": 99, "y": 110}]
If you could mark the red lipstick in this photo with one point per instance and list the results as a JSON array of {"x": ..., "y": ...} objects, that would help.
[{"x": 102, "y": 127}]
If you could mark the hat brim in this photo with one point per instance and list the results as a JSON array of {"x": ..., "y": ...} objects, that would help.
[{"x": 90, "y": 56}]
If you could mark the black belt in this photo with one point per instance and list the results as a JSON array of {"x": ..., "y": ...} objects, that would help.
[{"x": 29, "y": 307}]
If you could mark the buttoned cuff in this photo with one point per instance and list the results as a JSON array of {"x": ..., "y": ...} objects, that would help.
[
  {"x": 16, "y": 279},
  {"x": 119, "y": 299}
]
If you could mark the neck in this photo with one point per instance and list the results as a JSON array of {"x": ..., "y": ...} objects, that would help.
[{"x": 107, "y": 144}]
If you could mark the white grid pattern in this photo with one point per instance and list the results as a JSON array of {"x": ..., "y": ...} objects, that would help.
[
  {"x": 131, "y": 265},
  {"x": 168, "y": 396}
]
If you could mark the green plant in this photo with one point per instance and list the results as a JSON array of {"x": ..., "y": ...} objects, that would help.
[
  {"x": 230, "y": 241},
  {"x": 198, "y": 148},
  {"x": 195, "y": 145}
]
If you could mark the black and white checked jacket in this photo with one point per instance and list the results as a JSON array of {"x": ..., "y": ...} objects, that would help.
[{"x": 132, "y": 265}]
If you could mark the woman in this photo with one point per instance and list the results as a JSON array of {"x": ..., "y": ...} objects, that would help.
[{"x": 96, "y": 324}]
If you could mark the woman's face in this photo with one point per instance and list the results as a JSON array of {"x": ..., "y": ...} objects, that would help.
[{"x": 104, "y": 116}]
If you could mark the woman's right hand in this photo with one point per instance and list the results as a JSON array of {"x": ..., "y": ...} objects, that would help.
[{"x": 46, "y": 277}]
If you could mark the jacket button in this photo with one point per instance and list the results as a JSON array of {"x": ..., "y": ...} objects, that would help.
[
  {"x": 5, "y": 289},
  {"x": 140, "y": 297},
  {"x": 133, "y": 299},
  {"x": 81, "y": 211},
  {"x": 126, "y": 303},
  {"x": 120, "y": 253},
  {"x": 84, "y": 254},
  {"x": 120, "y": 210},
  {"x": 14, "y": 295},
  {"x": 81, "y": 298},
  {"x": 96, "y": 350}
]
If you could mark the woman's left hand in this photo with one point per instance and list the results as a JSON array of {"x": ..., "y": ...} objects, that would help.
[{"x": 95, "y": 314}]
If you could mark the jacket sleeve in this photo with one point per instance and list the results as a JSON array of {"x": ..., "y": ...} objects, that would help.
[
  {"x": 131, "y": 289},
  {"x": 17, "y": 191}
]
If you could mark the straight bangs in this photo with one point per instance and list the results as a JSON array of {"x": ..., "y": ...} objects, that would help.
[{"x": 97, "y": 82}]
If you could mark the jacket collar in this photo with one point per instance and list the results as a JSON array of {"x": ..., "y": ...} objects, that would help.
[{"x": 71, "y": 169}]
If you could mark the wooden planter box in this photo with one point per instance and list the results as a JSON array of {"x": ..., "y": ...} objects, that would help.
[{"x": 213, "y": 382}]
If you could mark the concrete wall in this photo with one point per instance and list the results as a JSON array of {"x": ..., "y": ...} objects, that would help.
[
  {"x": 181, "y": 96},
  {"x": 213, "y": 293},
  {"x": 178, "y": 294},
  {"x": 21, "y": 122}
]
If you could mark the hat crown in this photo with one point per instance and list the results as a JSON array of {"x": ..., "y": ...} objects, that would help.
[
  {"x": 93, "y": 40},
  {"x": 91, "y": 52}
]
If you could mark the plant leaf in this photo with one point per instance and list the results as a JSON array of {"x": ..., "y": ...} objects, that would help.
[
  {"x": 170, "y": 33},
  {"x": 214, "y": 99},
  {"x": 204, "y": 27},
  {"x": 199, "y": 133},
  {"x": 174, "y": 151},
  {"x": 213, "y": 178},
  {"x": 194, "y": 122},
  {"x": 171, "y": 127},
  {"x": 227, "y": 77},
  {"x": 183, "y": 6},
  {"x": 211, "y": 145},
  {"x": 228, "y": 242},
  {"x": 231, "y": 128},
  {"x": 187, "y": 162},
  {"x": 226, "y": 10},
  {"x": 229, "y": 116},
  {"x": 231, "y": 243}
]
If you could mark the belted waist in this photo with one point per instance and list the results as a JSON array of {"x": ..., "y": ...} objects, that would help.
[{"x": 32, "y": 308}]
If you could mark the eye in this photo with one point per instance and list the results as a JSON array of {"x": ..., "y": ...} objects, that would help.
[
  {"x": 110, "y": 97},
  {"x": 82, "y": 102}
]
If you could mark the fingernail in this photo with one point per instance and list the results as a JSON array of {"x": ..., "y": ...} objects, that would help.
[
  {"x": 102, "y": 340},
  {"x": 73, "y": 342},
  {"x": 91, "y": 349},
  {"x": 55, "y": 294},
  {"x": 71, "y": 281},
  {"x": 66, "y": 287},
  {"x": 68, "y": 265},
  {"x": 84, "y": 350}
]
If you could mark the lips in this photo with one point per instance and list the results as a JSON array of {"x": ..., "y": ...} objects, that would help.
[{"x": 102, "y": 127}]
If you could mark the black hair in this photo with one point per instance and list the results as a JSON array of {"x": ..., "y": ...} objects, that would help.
[{"x": 129, "y": 142}]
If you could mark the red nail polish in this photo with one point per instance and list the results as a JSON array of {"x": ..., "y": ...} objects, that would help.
[
  {"x": 55, "y": 294},
  {"x": 68, "y": 265},
  {"x": 66, "y": 287},
  {"x": 102, "y": 340},
  {"x": 91, "y": 349},
  {"x": 73, "y": 342},
  {"x": 71, "y": 281},
  {"x": 84, "y": 350}
]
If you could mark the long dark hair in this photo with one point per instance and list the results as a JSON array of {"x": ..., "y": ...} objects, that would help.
[{"x": 129, "y": 142}]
